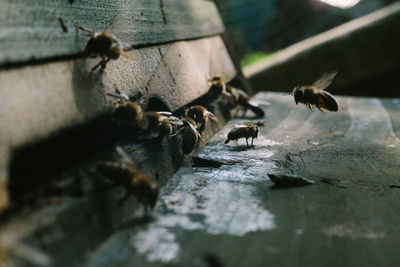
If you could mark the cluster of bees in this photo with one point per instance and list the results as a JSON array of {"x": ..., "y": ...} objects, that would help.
[
  {"x": 159, "y": 124},
  {"x": 190, "y": 126}
]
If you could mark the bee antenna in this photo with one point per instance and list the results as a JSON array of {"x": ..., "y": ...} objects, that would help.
[
  {"x": 114, "y": 95},
  {"x": 291, "y": 93}
]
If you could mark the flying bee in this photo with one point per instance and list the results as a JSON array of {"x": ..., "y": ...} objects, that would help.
[
  {"x": 240, "y": 98},
  {"x": 104, "y": 45},
  {"x": 315, "y": 94},
  {"x": 246, "y": 130},
  {"x": 200, "y": 115},
  {"x": 190, "y": 135},
  {"x": 124, "y": 173}
]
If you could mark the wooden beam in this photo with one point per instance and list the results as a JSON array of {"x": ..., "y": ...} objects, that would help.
[
  {"x": 44, "y": 99},
  {"x": 43, "y": 30}
]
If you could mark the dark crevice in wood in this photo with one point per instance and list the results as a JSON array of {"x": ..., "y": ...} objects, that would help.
[
  {"x": 200, "y": 162},
  {"x": 162, "y": 12},
  {"x": 166, "y": 66},
  {"x": 156, "y": 104},
  {"x": 62, "y": 24},
  {"x": 34, "y": 61},
  {"x": 34, "y": 164}
]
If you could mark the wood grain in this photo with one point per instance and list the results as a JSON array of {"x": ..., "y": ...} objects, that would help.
[
  {"x": 32, "y": 30},
  {"x": 43, "y": 99},
  {"x": 234, "y": 213}
]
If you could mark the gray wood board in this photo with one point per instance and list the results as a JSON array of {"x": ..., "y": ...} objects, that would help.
[
  {"x": 31, "y": 29},
  {"x": 347, "y": 218},
  {"x": 44, "y": 99}
]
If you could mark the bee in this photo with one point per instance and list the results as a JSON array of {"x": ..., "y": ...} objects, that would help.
[
  {"x": 246, "y": 130},
  {"x": 125, "y": 173},
  {"x": 217, "y": 87},
  {"x": 200, "y": 115},
  {"x": 190, "y": 135},
  {"x": 315, "y": 94},
  {"x": 240, "y": 98},
  {"x": 127, "y": 111},
  {"x": 158, "y": 122},
  {"x": 104, "y": 45}
]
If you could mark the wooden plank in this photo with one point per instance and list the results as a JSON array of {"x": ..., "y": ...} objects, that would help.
[
  {"x": 348, "y": 49},
  {"x": 32, "y": 30},
  {"x": 233, "y": 213},
  {"x": 55, "y": 96}
]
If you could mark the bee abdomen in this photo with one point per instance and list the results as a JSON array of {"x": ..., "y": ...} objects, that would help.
[
  {"x": 237, "y": 133},
  {"x": 189, "y": 140},
  {"x": 115, "y": 171}
]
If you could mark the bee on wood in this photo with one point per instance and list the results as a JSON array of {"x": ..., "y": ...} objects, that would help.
[
  {"x": 200, "y": 115},
  {"x": 246, "y": 130},
  {"x": 124, "y": 173},
  {"x": 127, "y": 111},
  {"x": 190, "y": 135},
  {"x": 217, "y": 87},
  {"x": 104, "y": 45},
  {"x": 315, "y": 94},
  {"x": 158, "y": 123},
  {"x": 240, "y": 98}
]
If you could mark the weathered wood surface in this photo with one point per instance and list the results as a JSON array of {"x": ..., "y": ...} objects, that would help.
[
  {"x": 44, "y": 99},
  {"x": 32, "y": 30},
  {"x": 233, "y": 213},
  {"x": 365, "y": 52},
  {"x": 73, "y": 212}
]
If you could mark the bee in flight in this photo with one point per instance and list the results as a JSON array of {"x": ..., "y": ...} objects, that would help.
[
  {"x": 316, "y": 95},
  {"x": 125, "y": 173},
  {"x": 245, "y": 130},
  {"x": 105, "y": 45}
]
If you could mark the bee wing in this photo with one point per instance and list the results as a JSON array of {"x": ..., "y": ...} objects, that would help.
[
  {"x": 164, "y": 113},
  {"x": 116, "y": 22},
  {"x": 325, "y": 80},
  {"x": 130, "y": 54},
  {"x": 239, "y": 126},
  {"x": 327, "y": 101},
  {"x": 125, "y": 158},
  {"x": 196, "y": 132}
]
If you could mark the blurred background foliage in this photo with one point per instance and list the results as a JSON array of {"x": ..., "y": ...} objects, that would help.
[{"x": 258, "y": 28}]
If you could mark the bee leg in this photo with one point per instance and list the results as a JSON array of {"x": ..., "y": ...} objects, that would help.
[
  {"x": 146, "y": 210},
  {"x": 252, "y": 139},
  {"x": 85, "y": 31},
  {"x": 247, "y": 142},
  {"x": 124, "y": 198},
  {"x": 320, "y": 109},
  {"x": 101, "y": 63},
  {"x": 202, "y": 127},
  {"x": 310, "y": 107},
  {"x": 244, "y": 112}
]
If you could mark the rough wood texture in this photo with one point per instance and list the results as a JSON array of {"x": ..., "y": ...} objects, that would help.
[
  {"x": 236, "y": 215},
  {"x": 43, "y": 99},
  {"x": 362, "y": 51},
  {"x": 231, "y": 212},
  {"x": 32, "y": 30}
]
